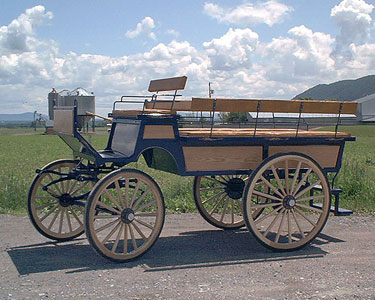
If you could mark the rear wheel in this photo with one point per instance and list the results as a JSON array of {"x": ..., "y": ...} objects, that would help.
[
  {"x": 296, "y": 205},
  {"x": 124, "y": 215},
  {"x": 219, "y": 199}
]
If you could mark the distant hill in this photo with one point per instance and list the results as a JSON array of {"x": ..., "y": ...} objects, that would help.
[
  {"x": 25, "y": 117},
  {"x": 345, "y": 90}
]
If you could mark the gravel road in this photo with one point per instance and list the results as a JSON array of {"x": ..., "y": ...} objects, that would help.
[{"x": 191, "y": 260}]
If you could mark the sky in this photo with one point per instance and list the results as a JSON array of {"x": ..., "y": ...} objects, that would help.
[{"x": 273, "y": 49}]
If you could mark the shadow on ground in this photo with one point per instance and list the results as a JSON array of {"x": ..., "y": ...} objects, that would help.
[{"x": 192, "y": 249}]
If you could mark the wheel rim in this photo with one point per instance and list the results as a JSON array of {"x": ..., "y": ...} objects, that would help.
[
  {"x": 125, "y": 215},
  {"x": 287, "y": 220},
  {"x": 219, "y": 199},
  {"x": 53, "y": 211}
]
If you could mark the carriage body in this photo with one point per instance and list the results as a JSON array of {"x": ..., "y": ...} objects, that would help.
[{"x": 274, "y": 180}]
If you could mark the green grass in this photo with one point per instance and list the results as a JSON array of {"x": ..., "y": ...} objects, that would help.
[{"x": 22, "y": 151}]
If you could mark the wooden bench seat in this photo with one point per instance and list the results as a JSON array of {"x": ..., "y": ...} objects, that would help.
[{"x": 260, "y": 132}]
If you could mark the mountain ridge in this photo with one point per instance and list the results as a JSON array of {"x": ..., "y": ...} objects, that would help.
[{"x": 343, "y": 90}]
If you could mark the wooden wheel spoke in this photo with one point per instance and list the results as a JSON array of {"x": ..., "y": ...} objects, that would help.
[
  {"x": 216, "y": 188},
  {"x": 122, "y": 204},
  {"x": 232, "y": 212},
  {"x": 68, "y": 220},
  {"x": 296, "y": 174},
  {"x": 72, "y": 187},
  {"x": 289, "y": 227},
  {"x": 146, "y": 205},
  {"x": 287, "y": 177},
  {"x": 139, "y": 231},
  {"x": 281, "y": 188},
  {"x": 127, "y": 192},
  {"x": 258, "y": 206},
  {"x": 54, "y": 185},
  {"x": 108, "y": 236},
  {"x": 304, "y": 216},
  {"x": 115, "y": 244},
  {"x": 48, "y": 213},
  {"x": 46, "y": 205},
  {"x": 101, "y": 217},
  {"x": 126, "y": 234},
  {"x": 134, "y": 241},
  {"x": 107, "y": 225},
  {"x": 273, "y": 222},
  {"x": 298, "y": 225},
  {"x": 213, "y": 197},
  {"x": 217, "y": 204},
  {"x": 110, "y": 208},
  {"x": 269, "y": 184},
  {"x": 145, "y": 214},
  {"x": 214, "y": 180},
  {"x": 315, "y": 197},
  {"x": 280, "y": 227},
  {"x": 135, "y": 193},
  {"x": 144, "y": 224},
  {"x": 61, "y": 219},
  {"x": 80, "y": 188},
  {"x": 54, "y": 219},
  {"x": 268, "y": 196},
  {"x": 140, "y": 199},
  {"x": 224, "y": 210},
  {"x": 303, "y": 180},
  {"x": 318, "y": 210},
  {"x": 118, "y": 206},
  {"x": 304, "y": 191},
  {"x": 76, "y": 217},
  {"x": 259, "y": 220}
]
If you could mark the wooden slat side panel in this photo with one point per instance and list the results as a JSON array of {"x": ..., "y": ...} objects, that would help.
[
  {"x": 63, "y": 121},
  {"x": 158, "y": 132},
  {"x": 224, "y": 158},
  {"x": 167, "y": 84},
  {"x": 325, "y": 155},
  {"x": 277, "y": 106}
]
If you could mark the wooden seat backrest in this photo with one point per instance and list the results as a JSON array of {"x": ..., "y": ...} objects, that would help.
[
  {"x": 63, "y": 120},
  {"x": 167, "y": 84},
  {"x": 276, "y": 106}
]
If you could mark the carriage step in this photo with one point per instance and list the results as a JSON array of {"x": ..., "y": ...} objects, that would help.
[{"x": 336, "y": 209}]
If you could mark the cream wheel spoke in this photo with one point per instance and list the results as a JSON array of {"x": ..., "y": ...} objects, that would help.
[
  {"x": 273, "y": 222},
  {"x": 118, "y": 206},
  {"x": 274, "y": 171},
  {"x": 107, "y": 225},
  {"x": 75, "y": 216},
  {"x": 257, "y": 206},
  {"x": 318, "y": 210},
  {"x": 289, "y": 227},
  {"x": 110, "y": 208},
  {"x": 109, "y": 235},
  {"x": 302, "y": 181},
  {"x": 304, "y": 216},
  {"x": 54, "y": 219},
  {"x": 68, "y": 220},
  {"x": 316, "y": 197},
  {"x": 140, "y": 199},
  {"x": 126, "y": 234},
  {"x": 217, "y": 205},
  {"x": 295, "y": 178},
  {"x": 280, "y": 227},
  {"x": 61, "y": 219},
  {"x": 287, "y": 177},
  {"x": 271, "y": 186},
  {"x": 304, "y": 191},
  {"x": 224, "y": 210},
  {"x": 46, "y": 205},
  {"x": 115, "y": 244},
  {"x": 144, "y": 224},
  {"x": 213, "y": 197},
  {"x": 267, "y": 196},
  {"x": 217, "y": 188},
  {"x": 122, "y": 204},
  {"x": 146, "y": 205},
  {"x": 298, "y": 225},
  {"x": 214, "y": 180},
  {"x": 259, "y": 220},
  {"x": 135, "y": 193},
  {"x": 139, "y": 231},
  {"x": 134, "y": 241},
  {"x": 48, "y": 213}
]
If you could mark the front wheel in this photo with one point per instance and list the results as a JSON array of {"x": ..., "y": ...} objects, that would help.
[
  {"x": 124, "y": 215},
  {"x": 52, "y": 205},
  {"x": 287, "y": 221}
]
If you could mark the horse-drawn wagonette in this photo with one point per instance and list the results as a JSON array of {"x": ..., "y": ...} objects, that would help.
[{"x": 273, "y": 180}]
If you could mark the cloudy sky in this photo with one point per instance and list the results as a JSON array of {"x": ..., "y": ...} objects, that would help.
[{"x": 262, "y": 49}]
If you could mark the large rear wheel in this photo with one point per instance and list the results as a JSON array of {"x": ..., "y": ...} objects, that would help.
[{"x": 288, "y": 219}]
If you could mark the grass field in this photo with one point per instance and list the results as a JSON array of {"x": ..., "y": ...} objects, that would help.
[{"x": 22, "y": 151}]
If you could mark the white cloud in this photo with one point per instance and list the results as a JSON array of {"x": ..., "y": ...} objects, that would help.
[
  {"x": 173, "y": 32},
  {"x": 354, "y": 18},
  {"x": 232, "y": 50},
  {"x": 144, "y": 27},
  {"x": 270, "y": 13}
]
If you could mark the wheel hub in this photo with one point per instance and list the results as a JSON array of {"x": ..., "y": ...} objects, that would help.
[
  {"x": 235, "y": 187},
  {"x": 127, "y": 215},
  {"x": 289, "y": 202},
  {"x": 65, "y": 200}
]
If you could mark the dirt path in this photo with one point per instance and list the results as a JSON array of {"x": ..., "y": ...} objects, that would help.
[{"x": 191, "y": 260}]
